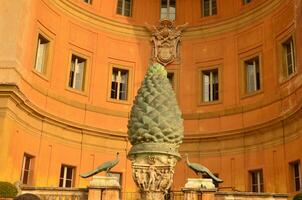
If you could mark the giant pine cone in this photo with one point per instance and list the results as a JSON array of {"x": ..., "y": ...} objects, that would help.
[{"x": 155, "y": 116}]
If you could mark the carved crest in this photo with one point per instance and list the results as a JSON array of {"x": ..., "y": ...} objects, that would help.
[{"x": 165, "y": 39}]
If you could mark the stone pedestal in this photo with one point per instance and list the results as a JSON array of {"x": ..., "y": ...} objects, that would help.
[
  {"x": 196, "y": 187},
  {"x": 190, "y": 194},
  {"x": 105, "y": 188},
  {"x": 208, "y": 194},
  {"x": 200, "y": 183},
  {"x": 197, "y": 194}
]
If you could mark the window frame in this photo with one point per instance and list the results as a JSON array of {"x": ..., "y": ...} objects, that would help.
[
  {"x": 175, "y": 77},
  {"x": 283, "y": 73},
  {"x": 244, "y": 2},
  {"x": 86, "y": 73},
  {"x": 46, "y": 34},
  {"x": 127, "y": 67},
  {"x": 289, "y": 40},
  {"x": 210, "y": 10},
  {"x": 45, "y": 54},
  {"x": 293, "y": 177},
  {"x": 259, "y": 183},
  {"x": 73, "y": 176},
  {"x": 123, "y": 9},
  {"x": 210, "y": 67},
  {"x": 89, "y": 2},
  {"x": 168, "y": 9},
  {"x": 243, "y": 60},
  {"x": 29, "y": 170}
]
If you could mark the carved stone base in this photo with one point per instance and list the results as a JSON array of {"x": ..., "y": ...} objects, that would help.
[
  {"x": 153, "y": 174},
  {"x": 200, "y": 183}
]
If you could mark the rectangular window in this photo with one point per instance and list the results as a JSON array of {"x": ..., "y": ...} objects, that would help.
[
  {"x": 296, "y": 175},
  {"x": 209, "y": 7},
  {"x": 256, "y": 179},
  {"x": 66, "y": 176},
  {"x": 26, "y": 168},
  {"x": 210, "y": 85},
  {"x": 77, "y": 72},
  {"x": 168, "y": 9},
  {"x": 289, "y": 56},
  {"x": 88, "y": 1},
  {"x": 42, "y": 48},
  {"x": 124, "y": 7},
  {"x": 252, "y": 75},
  {"x": 246, "y": 1},
  {"x": 119, "y": 84}
]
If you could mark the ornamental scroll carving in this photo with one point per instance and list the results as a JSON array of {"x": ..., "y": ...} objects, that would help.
[{"x": 165, "y": 39}]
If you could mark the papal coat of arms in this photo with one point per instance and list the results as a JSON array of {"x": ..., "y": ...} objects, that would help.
[{"x": 165, "y": 39}]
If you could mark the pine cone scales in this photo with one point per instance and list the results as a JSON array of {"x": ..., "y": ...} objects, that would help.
[{"x": 155, "y": 116}]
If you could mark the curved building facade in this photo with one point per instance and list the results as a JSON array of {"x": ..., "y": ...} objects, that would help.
[{"x": 70, "y": 70}]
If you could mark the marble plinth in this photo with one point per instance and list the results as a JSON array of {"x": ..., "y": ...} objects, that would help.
[
  {"x": 104, "y": 181},
  {"x": 200, "y": 183}
]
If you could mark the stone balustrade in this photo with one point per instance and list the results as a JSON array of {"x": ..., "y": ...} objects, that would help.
[
  {"x": 57, "y": 193},
  {"x": 250, "y": 196}
]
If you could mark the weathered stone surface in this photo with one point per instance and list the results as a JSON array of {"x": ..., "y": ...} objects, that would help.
[
  {"x": 104, "y": 187},
  {"x": 153, "y": 174},
  {"x": 200, "y": 183},
  {"x": 104, "y": 181},
  {"x": 155, "y": 119},
  {"x": 155, "y": 130}
]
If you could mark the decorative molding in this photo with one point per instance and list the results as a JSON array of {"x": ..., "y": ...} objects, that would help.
[
  {"x": 16, "y": 95},
  {"x": 240, "y": 21},
  {"x": 12, "y": 92},
  {"x": 276, "y": 134}
]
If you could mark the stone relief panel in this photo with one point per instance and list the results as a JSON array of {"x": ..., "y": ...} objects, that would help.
[{"x": 165, "y": 39}]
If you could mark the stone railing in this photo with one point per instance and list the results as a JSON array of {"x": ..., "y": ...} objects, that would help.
[
  {"x": 56, "y": 193},
  {"x": 249, "y": 196}
]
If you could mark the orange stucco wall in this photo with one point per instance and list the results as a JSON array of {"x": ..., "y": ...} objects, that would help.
[{"x": 41, "y": 116}]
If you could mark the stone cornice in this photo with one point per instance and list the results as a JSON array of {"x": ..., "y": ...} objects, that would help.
[
  {"x": 100, "y": 22},
  {"x": 187, "y": 116},
  {"x": 133, "y": 30},
  {"x": 270, "y": 136},
  {"x": 12, "y": 92},
  {"x": 234, "y": 23},
  {"x": 245, "y": 130}
]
